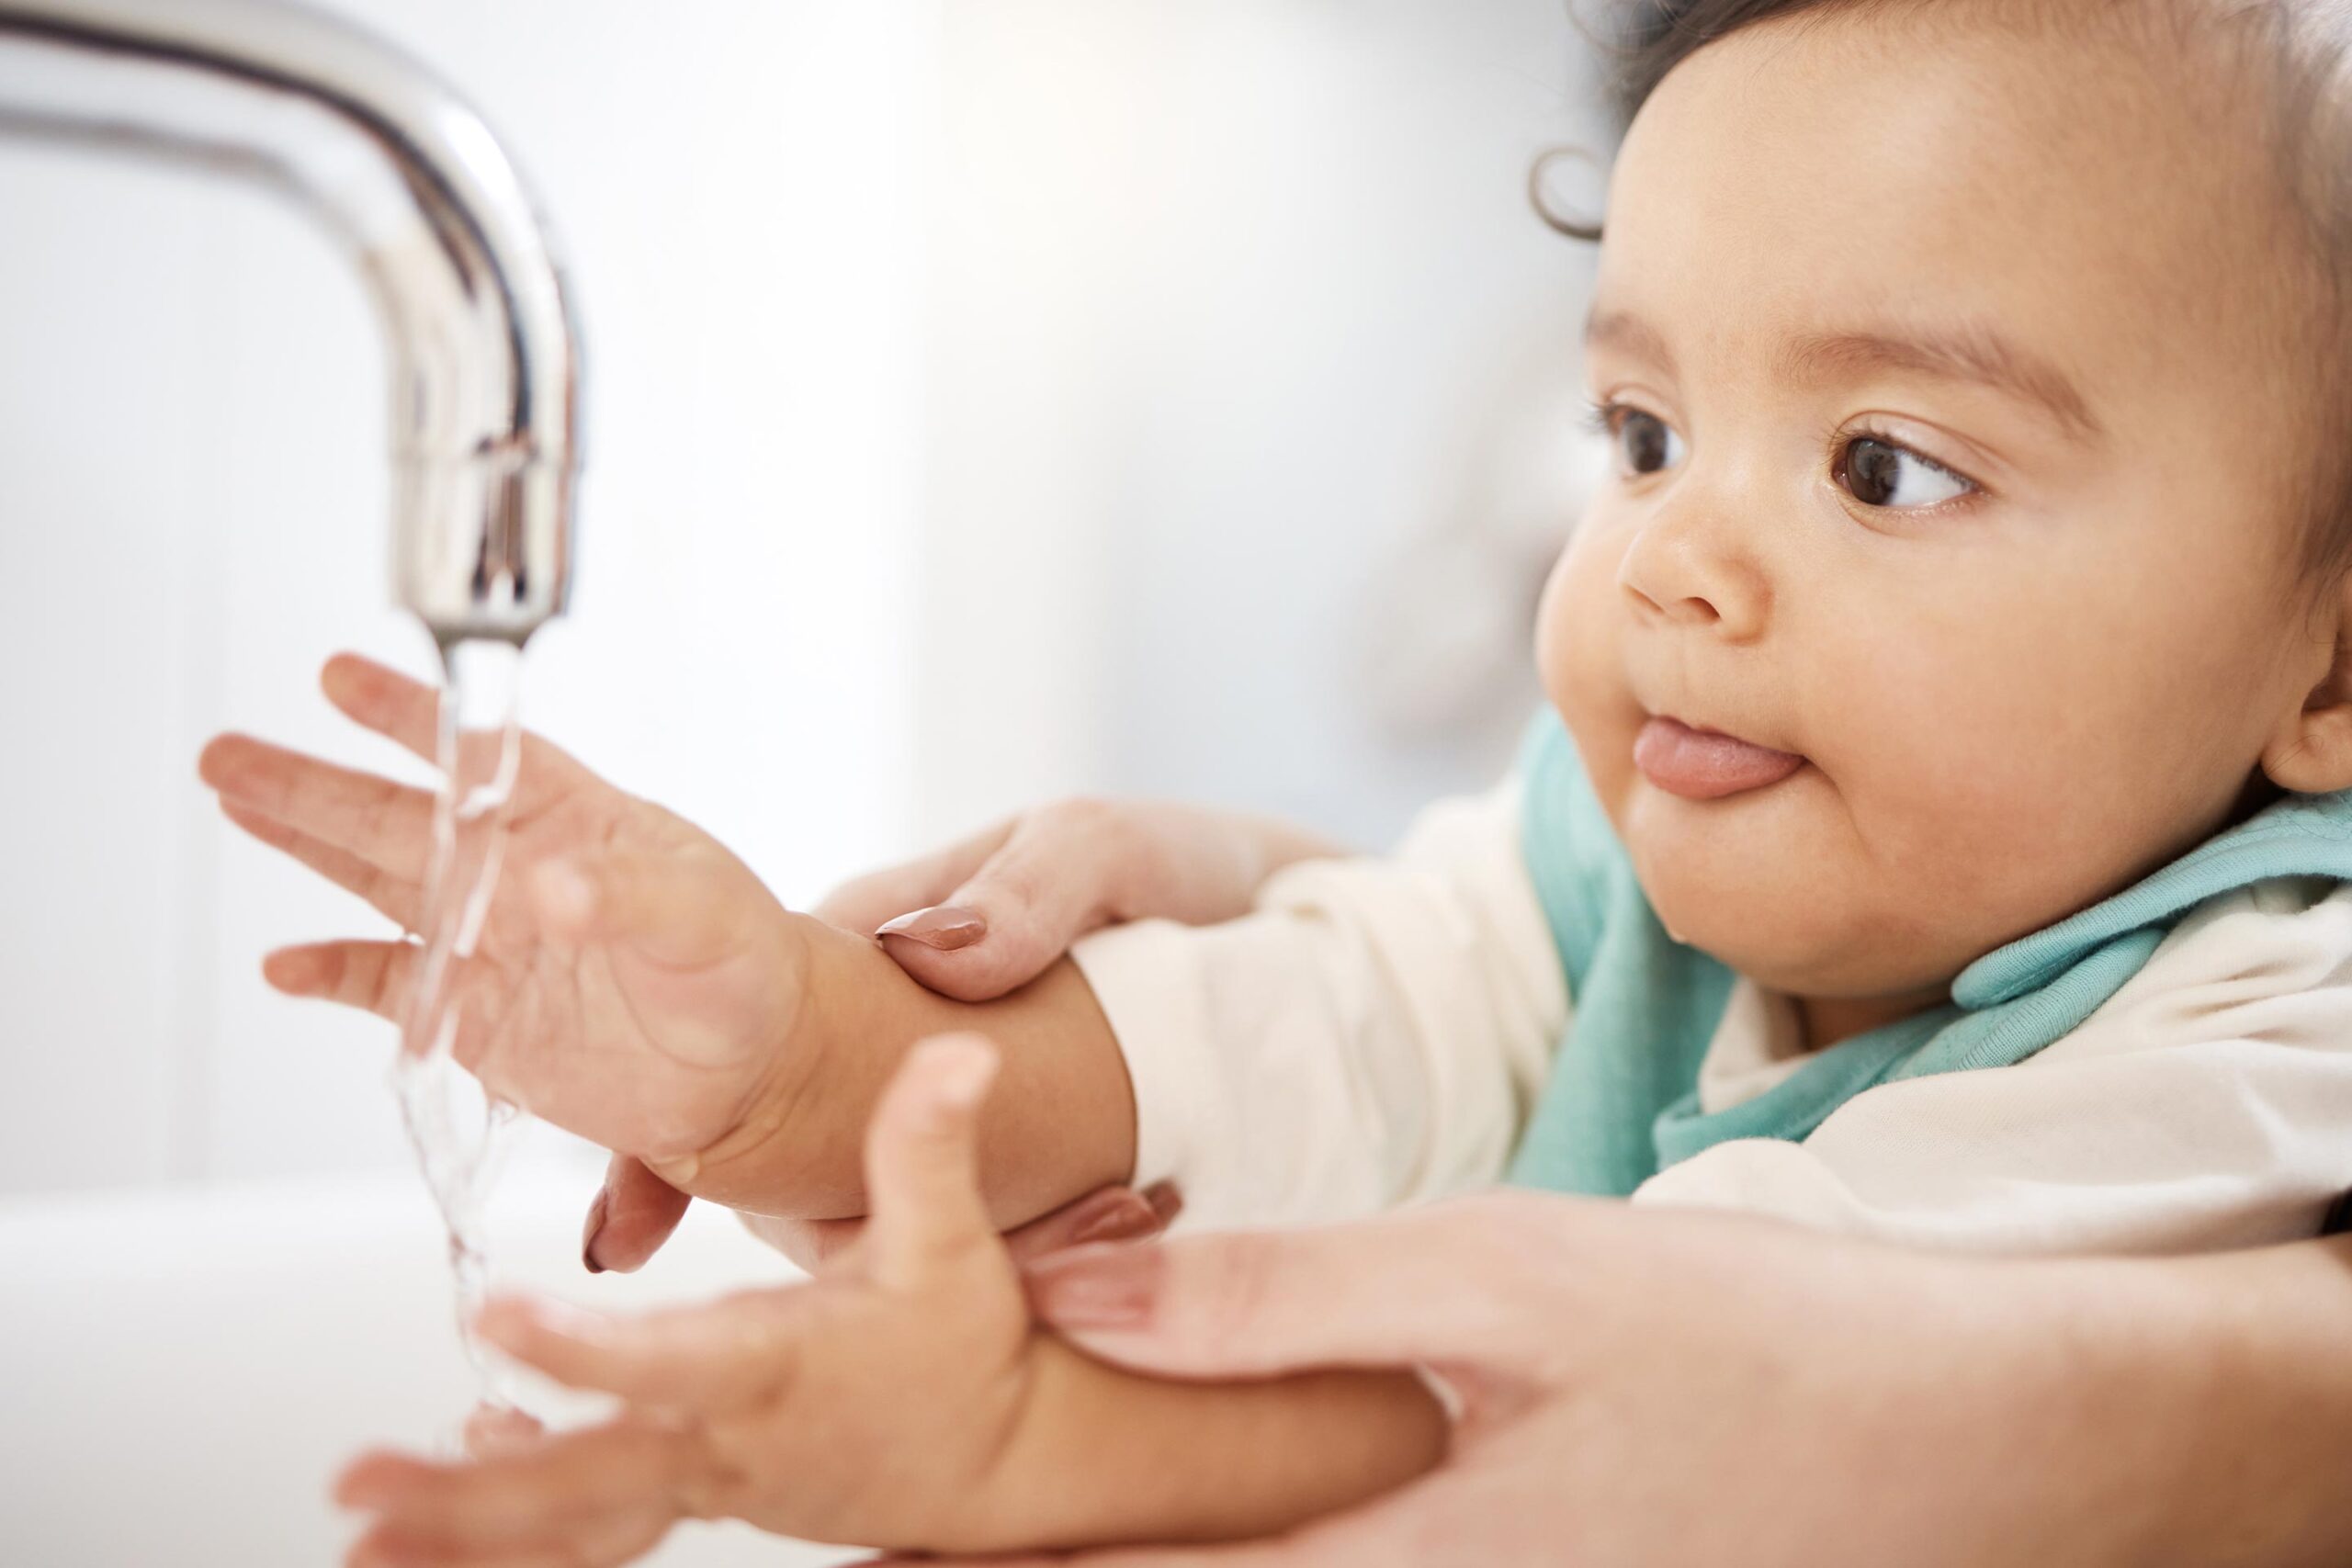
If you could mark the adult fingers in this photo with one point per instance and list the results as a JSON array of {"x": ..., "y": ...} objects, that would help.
[
  {"x": 1110, "y": 1214},
  {"x": 712, "y": 1357},
  {"x": 1449, "y": 1282},
  {"x": 1107, "y": 1214},
  {"x": 387, "y": 823},
  {"x": 632, "y": 1217},
  {"x": 864, "y": 902},
  {"x": 1071, "y": 866},
  {"x": 395, "y": 898},
  {"x": 1056, "y": 876}
]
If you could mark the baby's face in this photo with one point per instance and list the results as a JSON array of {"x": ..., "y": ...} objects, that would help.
[{"x": 1960, "y": 414}]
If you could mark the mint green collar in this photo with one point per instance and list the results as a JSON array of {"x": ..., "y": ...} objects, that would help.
[{"x": 1622, "y": 1100}]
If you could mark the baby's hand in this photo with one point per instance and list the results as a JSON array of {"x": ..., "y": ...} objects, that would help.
[
  {"x": 876, "y": 1405},
  {"x": 634, "y": 982}
]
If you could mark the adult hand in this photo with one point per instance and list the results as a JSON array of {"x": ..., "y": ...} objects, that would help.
[
  {"x": 1645, "y": 1387},
  {"x": 986, "y": 916}
]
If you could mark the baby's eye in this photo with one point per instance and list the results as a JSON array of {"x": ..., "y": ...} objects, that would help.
[
  {"x": 1879, "y": 473},
  {"x": 1646, "y": 444}
]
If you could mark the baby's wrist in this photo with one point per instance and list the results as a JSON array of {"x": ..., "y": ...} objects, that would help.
[
  {"x": 749, "y": 1166},
  {"x": 1030, "y": 1497}
]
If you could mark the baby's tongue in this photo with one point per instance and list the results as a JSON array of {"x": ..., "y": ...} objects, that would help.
[{"x": 1701, "y": 765}]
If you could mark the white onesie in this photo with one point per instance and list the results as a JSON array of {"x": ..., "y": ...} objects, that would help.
[{"x": 1376, "y": 1031}]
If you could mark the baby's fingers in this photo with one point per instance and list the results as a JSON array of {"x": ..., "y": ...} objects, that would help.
[
  {"x": 710, "y": 1358},
  {"x": 408, "y": 713},
  {"x": 376, "y": 697},
  {"x": 606, "y": 1542},
  {"x": 376, "y": 977},
  {"x": 394, "y": 897},
  {"x": 923, "y": 1164},
  {"x": 626, "y": 1477},
  {"x": 384, "y": 823},
  {"x": 495, "y": 1429}
]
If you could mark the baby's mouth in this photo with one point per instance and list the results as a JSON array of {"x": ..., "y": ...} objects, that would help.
[{"x": 1706, "y": 764}]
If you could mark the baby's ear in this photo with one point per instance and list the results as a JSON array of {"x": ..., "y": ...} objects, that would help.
[{"x": 2310, "y": 753}]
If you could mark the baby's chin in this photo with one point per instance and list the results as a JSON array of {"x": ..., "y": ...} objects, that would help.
[
  {"x": 1766, "y": 889},
  {"x": 1784, "y": 945}
]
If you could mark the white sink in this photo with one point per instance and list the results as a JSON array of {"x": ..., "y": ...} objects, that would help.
[{"x": 182, "y": 1371}]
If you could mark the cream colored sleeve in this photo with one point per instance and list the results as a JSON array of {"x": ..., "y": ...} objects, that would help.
[
  {"x": 2208, "y": 1104},
  {"x": 1373, "y": 1033}
]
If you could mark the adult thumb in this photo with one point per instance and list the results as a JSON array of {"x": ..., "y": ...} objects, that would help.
[{"x": 1056, "y": 877}]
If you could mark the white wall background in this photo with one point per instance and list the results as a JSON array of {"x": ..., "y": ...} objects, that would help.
[{"x": 1242, "y": 323}]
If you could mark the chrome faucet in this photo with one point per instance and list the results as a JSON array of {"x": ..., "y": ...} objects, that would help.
[{"x": 482, "y": 347}]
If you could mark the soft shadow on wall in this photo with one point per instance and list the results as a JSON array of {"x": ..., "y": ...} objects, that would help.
[{"x": 1254, "y": 400}]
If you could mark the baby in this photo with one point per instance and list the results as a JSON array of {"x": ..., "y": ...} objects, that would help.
[{"x": 1937, "y": 834}]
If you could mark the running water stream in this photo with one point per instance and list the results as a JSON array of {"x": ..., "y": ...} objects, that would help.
[{"x": 459, "y": 1130}]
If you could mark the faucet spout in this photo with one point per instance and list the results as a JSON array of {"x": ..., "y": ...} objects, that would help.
[{"x": 481, "y": 342}]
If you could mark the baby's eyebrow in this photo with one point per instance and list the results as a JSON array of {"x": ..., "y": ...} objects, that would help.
[{"x": 1972, "y": 354}]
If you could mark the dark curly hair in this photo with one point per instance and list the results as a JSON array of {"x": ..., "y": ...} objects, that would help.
[{"x": 2302, "y": 50}]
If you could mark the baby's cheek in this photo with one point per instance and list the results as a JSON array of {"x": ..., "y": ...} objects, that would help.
[
  {"x": 1552, "y": 632},
  {"x": 1576, "y": 630},
  {"x": 1985, "y": 791}
]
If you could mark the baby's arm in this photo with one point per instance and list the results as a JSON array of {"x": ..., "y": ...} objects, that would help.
[
  {"x": 1370, "y": 1037},
  {"x": 1061, "y": 1124},
  {"x": 1106, "y": 1456},
  {"x": 904, "y": 1399},
  {"x": 1370, "y": 1034},
  {"x": 636, "y": 984}
]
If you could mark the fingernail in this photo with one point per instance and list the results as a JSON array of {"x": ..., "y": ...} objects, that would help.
[
  {"x": 1123, "y": 1218},
  {"x": 944, "y": 926},
  {"x": 1165, "y": 1201},
  {"x": 591, "y": 1230},
  {"x": 1108, "y": 1287}
]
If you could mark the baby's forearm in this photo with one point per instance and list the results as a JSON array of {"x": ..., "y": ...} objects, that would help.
[
  {"x": 1060, "y": 1120},
  {"x": 1103, "y": 1456}
]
